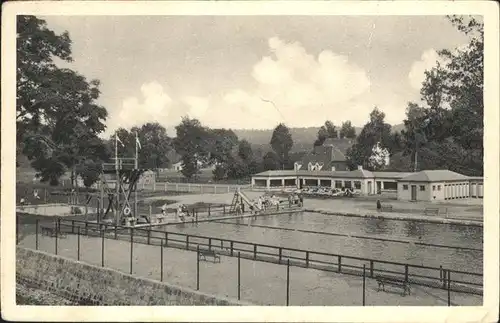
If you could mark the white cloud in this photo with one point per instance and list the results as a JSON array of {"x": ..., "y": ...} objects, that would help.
[
  {"x": 153, "y": 106},
  {"x": 198, "y": 106},
  {"x": 427, "y": 61},
  {"x": 306, "y": 91}
]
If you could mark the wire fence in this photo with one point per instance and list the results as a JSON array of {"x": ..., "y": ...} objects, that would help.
[{"x": 384, "y": 272}]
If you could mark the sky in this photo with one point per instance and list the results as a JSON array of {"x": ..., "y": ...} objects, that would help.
[{"x": 253, "y": 72}]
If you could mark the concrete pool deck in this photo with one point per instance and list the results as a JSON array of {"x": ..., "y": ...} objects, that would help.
[
  {"x": 466, "y": 212},
  {"x": 261, "y": 283}
]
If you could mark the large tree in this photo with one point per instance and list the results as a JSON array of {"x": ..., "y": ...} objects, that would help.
[
  {"x": 192, "y": 144},
  {"x": 57, "y": 117},
  {"x": 155, "y": 145},
  {"x": 451, "y": 123},
  {"x": 282, "y": 142},
  {"x": 347, "y": 130},
  {"x": 328, "y": 130},
  {"x": 376, "y": 131}
]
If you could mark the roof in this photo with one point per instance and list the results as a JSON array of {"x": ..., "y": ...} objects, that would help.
[
  {"x": 312, "y": 173},
  {"x": 438, "y": 175},
  {"x": 341, "y": 144},
  {"x": 392, "y": 175},
  {"x": 324, "y": 155}
]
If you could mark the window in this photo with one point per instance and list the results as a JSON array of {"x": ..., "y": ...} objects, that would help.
[
  {"x": 433, "y": 187},
  {"x": 357, "y": 185},
  {"x": 338, "y": 184},
  {"x": 347, "y": 184},
  {"x": 422, "y": 187},
  {"x": 405, "y": 187},
  {"x": 439, "y": 187}
]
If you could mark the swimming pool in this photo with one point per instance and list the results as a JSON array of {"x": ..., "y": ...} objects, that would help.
[{"x": 458, "y": 236}]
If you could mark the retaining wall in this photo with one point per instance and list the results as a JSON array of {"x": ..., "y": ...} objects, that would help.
[{"x": 86, "y": 284}]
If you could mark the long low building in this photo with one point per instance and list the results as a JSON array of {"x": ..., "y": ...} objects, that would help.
[{"x": 427, "y": 185}]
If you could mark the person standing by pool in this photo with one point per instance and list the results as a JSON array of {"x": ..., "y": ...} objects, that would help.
[{"x": 164, "y": 209}]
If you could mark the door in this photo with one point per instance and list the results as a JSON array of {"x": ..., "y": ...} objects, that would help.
[
  {"x": 379, "y": 187},
  {"x": 369, "y": 187},
  {"x": 414, "y": 192}
]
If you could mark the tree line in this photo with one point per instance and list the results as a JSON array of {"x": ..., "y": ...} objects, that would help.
[{"x": 59, "y": 121}]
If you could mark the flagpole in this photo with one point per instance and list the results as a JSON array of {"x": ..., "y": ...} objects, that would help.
[
  {"x": 117, "y": 180},
  {"x": 136, "y": 166}
]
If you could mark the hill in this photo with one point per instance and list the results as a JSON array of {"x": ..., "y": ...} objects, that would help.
[{"x": 303, "y": 138}]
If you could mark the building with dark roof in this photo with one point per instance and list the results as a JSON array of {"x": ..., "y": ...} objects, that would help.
[
  {"x": 427, "y": 185},
  {"x": 330, "y": 156}
]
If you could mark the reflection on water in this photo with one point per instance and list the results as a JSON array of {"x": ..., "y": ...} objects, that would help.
[{"x": 434, "y": 233}]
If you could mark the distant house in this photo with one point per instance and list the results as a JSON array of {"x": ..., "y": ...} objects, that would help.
[
  {"x": 177, "y": 166},
  {"x": 328, "y": 157}
]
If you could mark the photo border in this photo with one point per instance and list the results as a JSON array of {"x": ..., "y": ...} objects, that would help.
[{"x": 486, "y": 313}]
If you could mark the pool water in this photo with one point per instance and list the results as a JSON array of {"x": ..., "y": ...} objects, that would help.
[{"x": 432, "y": 233}]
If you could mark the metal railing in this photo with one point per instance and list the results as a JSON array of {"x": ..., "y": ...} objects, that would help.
[{"x": 436, "y": 277}]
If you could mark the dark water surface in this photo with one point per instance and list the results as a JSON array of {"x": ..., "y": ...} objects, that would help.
[{"x": 432, "y": 233}]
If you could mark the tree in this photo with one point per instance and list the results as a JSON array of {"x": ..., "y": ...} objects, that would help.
[
  {"x": 220, "y": 145},
  {"x": 328, "y": 130},
  {"x": 191, "y": 144},
  {"x": 347, "y": 130},
  {"x": 282, "y": 142},
  {"x": 245, "y": 151},
  {"x": 376, "y": 131},
  {"x": 57, "y": 117},
  {"x": 270, "y": 161},
  {"x": 453, "y": 92},
  {"x": 155, "y": 145},
  {"x": 89, "y": 171}
]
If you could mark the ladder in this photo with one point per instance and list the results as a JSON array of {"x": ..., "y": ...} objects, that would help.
[{"x": 236, "y": 197}]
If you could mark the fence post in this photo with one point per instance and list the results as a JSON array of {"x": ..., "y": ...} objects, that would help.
[
  {"x": 288, "y": 282},
  {"x": 131, "y": 247},
  {"x": 364, "y": 283},
  {"x": 161, "y": 260},
  {"x": 254, "y": 251},
  {"x": 78, "y": 245},
  {"x": 198, "y": 267},
  {"x": 149, "y": 235},
  {"x": 57, "y": 232},
  {"x": 280, "y": 251},
  {"x": 406, "y": 273},
  {"x": 208, "y": 213},
  {"x": 102, "y": 246},
  {"x": 209, "y": 243},
  {"x": 239, "y": 276},
  {"x": 223, "y": 210},
  {"x": 72, "y": 226},
  {"x": 86, "y": 229},
  {"x": 116, "y": 231},
  {"x": 371, "y": 268},
  {"x": 150, "y": 211},
  {"x": 307, "y": 259},
  {"x": 36, "y": 234},
  {"x": 187, "y": 242},
  {"x": 231, "y": 246},
  {"x": 215, "y": 189},
  {"x": 340, "y": 263},
  {"x": 449, "y": 283}
]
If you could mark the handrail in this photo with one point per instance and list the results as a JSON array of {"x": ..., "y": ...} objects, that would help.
[
  {"x": 307, "y": 262},
  {"x": 310, "y": 252}
]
